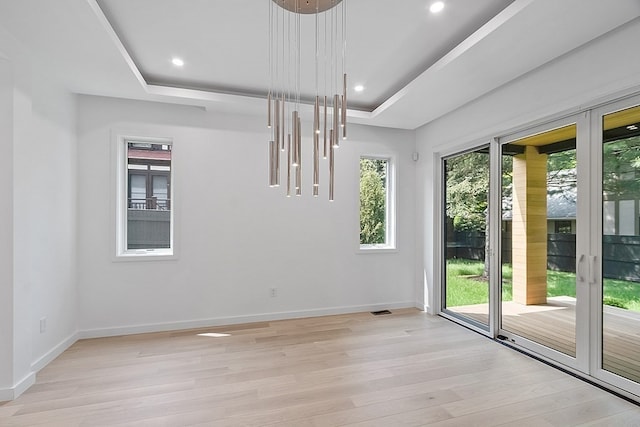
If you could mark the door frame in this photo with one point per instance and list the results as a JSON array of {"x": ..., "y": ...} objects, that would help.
[
  {"x": 625, "y": 386},
  {"x": 440, "y": 269},
  {"x": 581, "y": 361}
]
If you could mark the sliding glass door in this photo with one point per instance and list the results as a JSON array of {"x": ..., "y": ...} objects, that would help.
[
  {"x": 466, "y": 236},
  {"x": 616, "y": 255},
  {"x": 541, "y": 242}
]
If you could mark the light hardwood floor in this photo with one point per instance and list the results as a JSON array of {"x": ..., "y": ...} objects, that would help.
[{"x": 407, "y": 368}]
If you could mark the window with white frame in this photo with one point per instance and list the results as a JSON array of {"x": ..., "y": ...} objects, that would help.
[
  {"x": 145, "y": 215},
  {"x": 376, "y": 203}
]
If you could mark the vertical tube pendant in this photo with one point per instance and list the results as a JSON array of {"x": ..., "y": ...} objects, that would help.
[
  {"x": 316, "y": 116},
  {"x": 330, "y": 140},
  {"x": 331, "y": 168},
  {"x": 344, "y": 130},
  {"x": 276, "y": 166},
  {"x": 324, "y": 155},
  {"x": 299, "y": 133},
  {"x": 344, "y": 104},
  {"x": 336, "y": 121},
  {"x": 282, "y": 117},
  {"x": 269, "y": 110},
  {"x": 294, "y": 128},
  {"x": 289, "y": 166},
  {"x": 272, "y": 162},
  {"x": 277, "y": 122},
  {"x": 299, "y": 169},
  {"x": 316, "y": 164}
]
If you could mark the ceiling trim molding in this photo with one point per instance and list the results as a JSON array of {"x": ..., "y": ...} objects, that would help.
[
  {"x": 434, "y": 92},
  {"x": 196, "y": 95},
  {"x": 492, "y": 25},
  {"x": 116, "y": 40}
]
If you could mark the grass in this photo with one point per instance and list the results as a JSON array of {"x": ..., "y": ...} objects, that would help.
[{"x": 465, "y": 286}]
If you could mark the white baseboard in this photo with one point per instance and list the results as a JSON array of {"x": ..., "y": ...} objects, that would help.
[
  {"x": 231, "y": 320},
  {"x": 422, "y": 307},
  {"x": 21, "y": 386},
  {"x": 12, "y": 393},
  {"x": 54, "y": 352}
]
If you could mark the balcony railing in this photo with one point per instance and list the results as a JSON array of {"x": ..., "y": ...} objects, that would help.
[{"x": 150, "y": 203}]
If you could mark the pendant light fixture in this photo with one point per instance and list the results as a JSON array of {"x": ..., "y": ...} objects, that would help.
[{"x": 284, "y": 98}]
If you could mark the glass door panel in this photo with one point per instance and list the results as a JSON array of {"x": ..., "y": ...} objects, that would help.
[
  {"x": 620, "y": 267},
  {"x": 538, "y": 238},
  {"x": 466, "y": 234}
]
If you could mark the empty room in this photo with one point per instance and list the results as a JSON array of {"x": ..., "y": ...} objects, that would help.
[{"x": 319, "y": 213}]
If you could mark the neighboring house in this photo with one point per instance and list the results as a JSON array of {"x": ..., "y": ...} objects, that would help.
[
  {"x": 149, "y": 196},
  {"x": 149, "y": 167},
  {"x": 561, "y": 203}
]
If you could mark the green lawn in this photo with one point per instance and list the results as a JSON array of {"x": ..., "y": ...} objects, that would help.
[{"x": 465, "y": 286}]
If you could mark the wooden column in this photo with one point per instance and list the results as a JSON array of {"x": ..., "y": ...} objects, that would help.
[{"x": 530, "y": 227}]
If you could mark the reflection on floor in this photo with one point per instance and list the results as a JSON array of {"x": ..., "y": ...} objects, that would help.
[{"x": 553, "y": 325}]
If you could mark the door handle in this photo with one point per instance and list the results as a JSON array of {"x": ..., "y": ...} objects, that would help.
[
  {"x": 592, "y": 269},
  {"x": 581, "y": 268}
]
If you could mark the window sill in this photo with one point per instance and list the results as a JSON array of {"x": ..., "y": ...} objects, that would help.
[
  {"x": 146, "y": 255},
  {"x": 376, "y": 249}
]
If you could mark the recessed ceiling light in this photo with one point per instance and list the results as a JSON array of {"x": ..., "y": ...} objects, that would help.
[
  {"x": 436, "y": 7},
  {"x": 177, "y": 62},
  {"x": 358, "y": 88},
  {"x": 632, "y": 127}
]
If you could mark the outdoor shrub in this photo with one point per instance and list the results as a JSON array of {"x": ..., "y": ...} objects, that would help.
[{"x": 614, "y": 302}]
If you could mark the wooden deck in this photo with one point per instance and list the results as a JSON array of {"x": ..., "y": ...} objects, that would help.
[{"x": 553, "y": 325}]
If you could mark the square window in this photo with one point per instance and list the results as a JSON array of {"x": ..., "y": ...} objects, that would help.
[{"x": 563, "y": 227}]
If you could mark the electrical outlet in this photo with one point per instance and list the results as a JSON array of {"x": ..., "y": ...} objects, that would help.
[
  {"x": 274, "y": 292},
  {"x": 43, "y": 325}
]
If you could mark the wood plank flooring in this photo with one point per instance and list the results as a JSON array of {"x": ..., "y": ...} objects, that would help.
[{"x": 407, "y": 368}]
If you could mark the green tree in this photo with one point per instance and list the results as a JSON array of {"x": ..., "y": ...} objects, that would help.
[
  {"x": 373, "y": 178},
  {"x": 562, "y": 160},
  {"x": 467, "y": 198},
  {"x": 621, "y": 160},
  {"x": 467, "y": 195}
]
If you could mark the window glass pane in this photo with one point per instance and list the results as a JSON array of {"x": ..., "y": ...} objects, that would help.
[
  {"x": 137, "y": 191},
  {"x": 539, "y": 200},
  {"x": 374, "y": 227},
  {"x": 627, "y": 217},
  {"x": 160, "y": 191},
  {"x": 466, "y": 226},
  {"x": 609, "y": 218},
  {"x": 620, "y": 303},
  {"x": 149, "y": 209},
  {"x": 563, "y": 227}
]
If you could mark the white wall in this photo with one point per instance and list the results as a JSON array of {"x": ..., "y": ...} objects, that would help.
[
  {"x": 601, "y": 69},
  {"x": 236, "y": 237},
  {"x": 45, "y": 191},
  {"x": 6, "y": 226},
  {"x": 38, "y": 204}
]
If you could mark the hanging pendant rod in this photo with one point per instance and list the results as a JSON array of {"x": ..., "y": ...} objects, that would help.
[{"x": 329, "y": 105}]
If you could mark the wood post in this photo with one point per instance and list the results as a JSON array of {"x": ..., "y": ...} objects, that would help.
[{"x": 530, "y": 227}]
